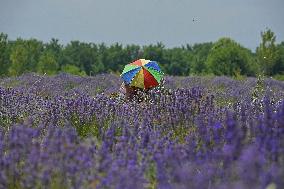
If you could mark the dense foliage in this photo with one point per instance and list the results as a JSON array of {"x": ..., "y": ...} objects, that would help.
[
  {"x": 223, "y": 57},
  {"x": 197, "y": 132}
]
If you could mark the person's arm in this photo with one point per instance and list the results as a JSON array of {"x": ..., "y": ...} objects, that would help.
[{"x": 129, "y": 92}]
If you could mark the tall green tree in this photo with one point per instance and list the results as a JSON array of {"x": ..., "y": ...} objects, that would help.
[
  {"x": 19, "y": 58},
  {"x": 200, "y": 53},
  {"x": 97, "y": 65},
  {"x": 229, "y": 58},
  {"x": 35, "y": 49},
  {"x": 47, "y": 63},
  {"x": 116, "y": 58},
  {"x": 133, "y": 52},
  {"x": 71, "y": 54},
  {"x": 25, "y": 55},
  {"x": 267, "y": 54},
  {"x": 279, "y": 65},
  {"x": 4, "y": 54},
  {"x": 82, "y": 55},
  {"x": 178, "y": 61},
  {"x": 54, "y": 47}
]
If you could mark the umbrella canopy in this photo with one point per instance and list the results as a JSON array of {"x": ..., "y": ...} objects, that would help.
[{"x": 142, "y": 73}]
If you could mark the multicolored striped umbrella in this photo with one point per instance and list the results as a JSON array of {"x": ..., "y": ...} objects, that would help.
[{"x": 142, "y": 73}]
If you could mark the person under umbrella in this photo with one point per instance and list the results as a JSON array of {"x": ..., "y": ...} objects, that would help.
[{"x": 138, "y": 78}]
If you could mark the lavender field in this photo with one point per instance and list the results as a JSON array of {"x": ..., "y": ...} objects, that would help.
[{"x": 67, "y": 131}]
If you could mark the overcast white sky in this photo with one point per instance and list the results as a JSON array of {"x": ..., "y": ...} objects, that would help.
[{"x": 142, "y": 22}]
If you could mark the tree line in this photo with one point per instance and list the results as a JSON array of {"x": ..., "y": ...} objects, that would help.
[{"x": 223, "y": 57}]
